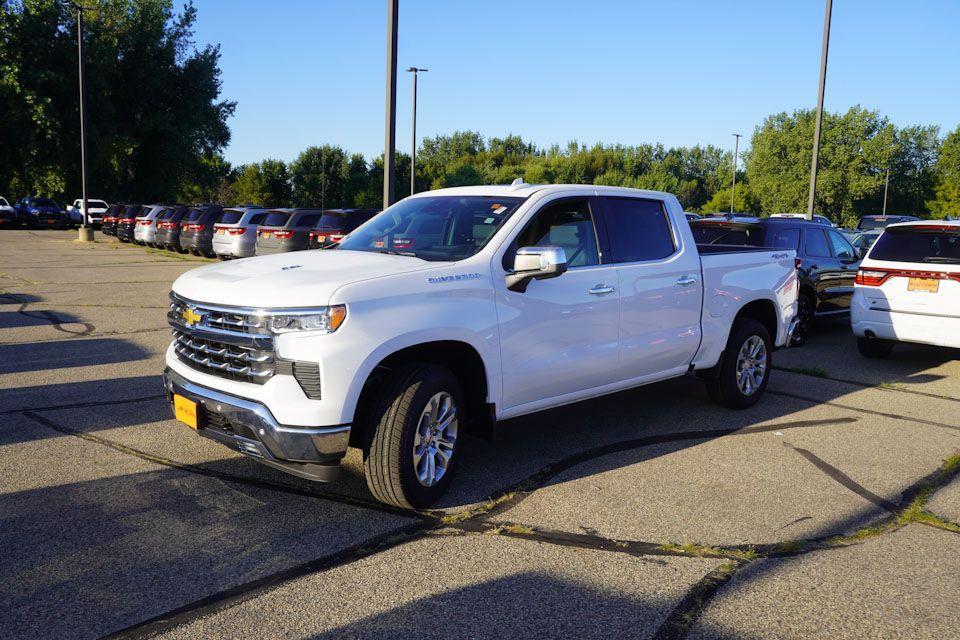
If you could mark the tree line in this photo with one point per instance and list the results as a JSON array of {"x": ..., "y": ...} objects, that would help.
[{"x": 157, "y": 129}]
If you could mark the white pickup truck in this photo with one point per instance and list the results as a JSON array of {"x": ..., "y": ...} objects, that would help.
[{"x": 456, "y": 308}]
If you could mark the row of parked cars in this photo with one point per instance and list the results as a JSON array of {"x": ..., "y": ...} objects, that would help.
[
  {"x": 827, "y": 260},
  {"x": 239, "y": 231}
]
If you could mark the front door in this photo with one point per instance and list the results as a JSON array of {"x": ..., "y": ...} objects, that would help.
[
  {"x": 823, "y": 268},
  {"x": 848, "y": 261},
  {"x": 559, "y": 337}
]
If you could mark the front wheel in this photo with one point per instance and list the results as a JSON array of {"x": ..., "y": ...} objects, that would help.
[
  {"x": 741, "y": 376},
  {"x": 413, "y": 428}
]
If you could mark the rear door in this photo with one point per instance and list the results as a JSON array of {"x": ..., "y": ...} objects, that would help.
[
  {"x": 559, "y": 337},
  {"x": 822, "y": 268},
  {"x": 847, "y": 258},
  {"x": 661, "y": 291}
]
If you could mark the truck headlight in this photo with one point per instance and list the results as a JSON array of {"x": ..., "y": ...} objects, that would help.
[{"x": 322, "y": 319}]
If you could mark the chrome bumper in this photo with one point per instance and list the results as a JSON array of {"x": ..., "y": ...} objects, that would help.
[{"x": 250, "y": 428}]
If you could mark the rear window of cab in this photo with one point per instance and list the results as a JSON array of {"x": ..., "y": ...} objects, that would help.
[{"x": 925, "y": 244}]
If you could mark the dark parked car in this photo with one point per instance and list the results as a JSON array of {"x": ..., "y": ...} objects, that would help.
[
  {"x": 127, "y": 222},
  {"x": 168, "y": 228},
  {"x": 336, "y": 223},
  {"x": 286, "y": 230},
  {"x": 870, "y": 223},
  {"x": 39, "y": 213},
  {"x": 196, "y": 229},
  {"x": 110, "y": 219},
  {"x": 826, "y": 261}
]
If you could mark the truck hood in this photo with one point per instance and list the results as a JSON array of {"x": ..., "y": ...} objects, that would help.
[{"x": 297, "y": 279}]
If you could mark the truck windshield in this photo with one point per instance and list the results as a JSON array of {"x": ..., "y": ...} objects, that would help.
[
  {"x": 436, "y": 228},
  {"x": 918, "y": 244}
]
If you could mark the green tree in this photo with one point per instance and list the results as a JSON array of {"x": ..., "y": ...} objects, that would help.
[
  {"x": 154, "y": 118},
  {"x": 946, "y": 200},
  {"x": 266, "y": 183}
]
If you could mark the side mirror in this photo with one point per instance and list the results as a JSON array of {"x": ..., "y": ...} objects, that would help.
[{"x": 535, "y": 263}]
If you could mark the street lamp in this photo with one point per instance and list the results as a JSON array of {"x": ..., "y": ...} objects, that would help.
[
  {"x": 736, "y": 152},
  {"x": 816, "y": 130},
  {"x": 86, "y": 231},
  {"x": 413, "y": 145},
  {"x": 390, "y": 143}
]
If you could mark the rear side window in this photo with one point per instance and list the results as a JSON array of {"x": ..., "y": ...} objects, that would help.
[
  {"x": 638, "y": 229},
  {"x": 276, "y": 219},
  {"x": 230, "y": 217},
  {"x": 916, "y": 244},
  {"x": 841, "y": 248},
  {"x": 815, "y": 243},
  {"x": 784, "y": 238}
]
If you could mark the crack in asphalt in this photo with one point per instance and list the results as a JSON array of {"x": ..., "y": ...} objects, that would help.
[
  {"x": 867, "y": 385},
  {"x": 873, "y": 412}
]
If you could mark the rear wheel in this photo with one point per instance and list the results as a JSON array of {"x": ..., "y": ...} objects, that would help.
[
  {"x": 410, "y": 457},
  {"x": 741, "y": 376},
  {"x": 874, "y": 347}
]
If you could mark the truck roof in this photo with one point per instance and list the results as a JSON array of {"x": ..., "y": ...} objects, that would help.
[{"x": 523, "y": 190}]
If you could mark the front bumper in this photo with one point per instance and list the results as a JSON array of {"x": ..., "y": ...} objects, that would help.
[{"x": 249, "y": 427}]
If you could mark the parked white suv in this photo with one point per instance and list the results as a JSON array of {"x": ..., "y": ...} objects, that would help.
[
  {"x": 456, "y": 308},
  {"x": 908, "y": 288}
]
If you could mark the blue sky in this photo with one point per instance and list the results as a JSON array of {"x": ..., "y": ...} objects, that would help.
[{"x": 308, "y": 72}]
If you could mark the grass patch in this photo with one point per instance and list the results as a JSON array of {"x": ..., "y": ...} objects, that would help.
[
  {"x": 816, "y": 372},
  {"x": 702, "y": 550}
]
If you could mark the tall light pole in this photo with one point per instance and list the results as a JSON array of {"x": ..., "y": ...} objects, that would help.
[
  {"x": 390, "y": 144},
  {"x": 86, "y": 231},
  {"x": 816, "y": 130},
  {"x": 413, "y": 144},
  {"x": 736, "y": 152},
  {"x": 886, "y": 187}
]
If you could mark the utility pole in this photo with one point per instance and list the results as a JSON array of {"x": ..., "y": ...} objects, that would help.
[
  {"x": 736, "y": 152},
  {"x": 86, "y": 231},
  {"x": 413, "y": 145},
  {"x": 886, "y": 187},
  {"x": 390, "y": 143},
  {"x": 816, "y": 130}
]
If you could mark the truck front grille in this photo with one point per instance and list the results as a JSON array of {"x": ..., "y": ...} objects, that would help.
[{"x": 229, "y": 361}]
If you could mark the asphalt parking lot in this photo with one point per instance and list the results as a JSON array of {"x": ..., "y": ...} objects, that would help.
[{"x": 829, "y": 510}]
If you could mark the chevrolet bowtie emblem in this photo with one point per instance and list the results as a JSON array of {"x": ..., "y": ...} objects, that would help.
[{"x": 191, "y": 317}]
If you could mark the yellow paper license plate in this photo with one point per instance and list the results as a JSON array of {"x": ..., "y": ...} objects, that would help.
[
  {"x": 923, "y": 284},
  {"x": 185, "y": 411}
]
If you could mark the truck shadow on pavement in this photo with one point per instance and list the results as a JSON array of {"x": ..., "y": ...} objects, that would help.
[{"x": 66, "y": 354}]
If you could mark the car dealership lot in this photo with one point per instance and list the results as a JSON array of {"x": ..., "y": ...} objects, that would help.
[{"x": 651, "y": 513}]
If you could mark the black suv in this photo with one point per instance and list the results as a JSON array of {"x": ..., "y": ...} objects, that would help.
[
  {"x": 127, "y": 222},
  {"x": 826, "y": 261},
  {"x": 336, "y": 223},
  {"x": 168, "y": 228}
]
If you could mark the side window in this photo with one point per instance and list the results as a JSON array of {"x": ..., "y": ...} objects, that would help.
[
  {"x": 785, "y": 239},
  {"x": 841, "y": 248},
  {"x": 567, "y": 224},
  {"x": 815, "y": 243},
  {"x": 638, "y": 229}
]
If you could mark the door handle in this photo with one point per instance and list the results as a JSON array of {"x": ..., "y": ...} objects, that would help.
[
  {"x": 600, "y": 289},
  {"x": 686, "y": 280}
]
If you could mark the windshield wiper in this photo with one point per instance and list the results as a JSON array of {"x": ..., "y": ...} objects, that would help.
[
  {"x": 394, "y": 252},
  {"x": 942, "y": 259}
]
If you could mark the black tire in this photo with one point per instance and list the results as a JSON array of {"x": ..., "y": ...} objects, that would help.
[
  {"x": 805, "y": 309},
  {"x": 874, "y": 347},
  {"x": 722, "y": 380},
  {"x": 391, "y": 428}
]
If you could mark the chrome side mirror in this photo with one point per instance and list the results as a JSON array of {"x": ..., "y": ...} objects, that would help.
[{"x": 535, "y": 263}]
